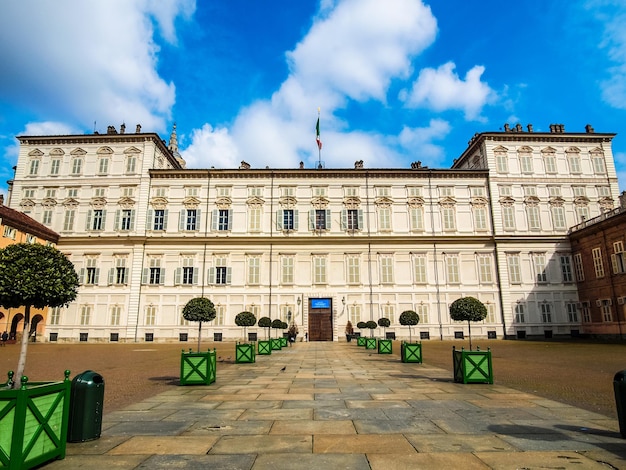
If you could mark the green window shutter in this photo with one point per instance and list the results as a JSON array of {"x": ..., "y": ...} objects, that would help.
[
  {"x": 116, "y": 226},
  {"x": 165, "y": 212},
  {"x": 198, "y": 213},
  {"x": 89, "y": 219},
  {"x": 279, "y": 219},
  {"x": 361, "y": 227},
  {"x": 229, "y": 275},
  {"x": 96, "y": 277},
  {"x": 162, "y": 277},
  {"x": 145, "y": 276},
  {"x": 111, "y": 278},
  {"x": 177, "y": 275},
  {"x": 230, "y": 219},
  {"x": 295, "y": 219},
  {"x": 196, "y": 273},
  {"x": 211, "y": 275},
  {"x": 327, "y": 219},
  {"x": 344, "y": 219},
  {"x": 150, "y": 220},
  {"x": 214, "y": 220},
  {"x": 312, "y": 219},
  {"x": 182, "y": 220},
  {"x": 132, "y": 219}
]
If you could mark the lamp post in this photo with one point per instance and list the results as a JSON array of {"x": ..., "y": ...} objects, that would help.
[{"x": 299, "y": 301}]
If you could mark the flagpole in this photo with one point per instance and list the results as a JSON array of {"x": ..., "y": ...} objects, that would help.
[{"x": 319, "y": 141}]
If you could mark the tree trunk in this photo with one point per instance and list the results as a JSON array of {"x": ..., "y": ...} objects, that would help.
[
  {"x": 21, "y": 363},
  {"x": 199, "y": 334},
  {"x": 469, "y": 326}
]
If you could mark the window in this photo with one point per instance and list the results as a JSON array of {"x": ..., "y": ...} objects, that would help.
[
  {"x": 477, "y": 191},
  {"x": 222, "y": 220},
  {"x": 103, "y": 166},
  {"x": 51, "y": 193},
  {"x": 55, "y": 165},
  {"x": 119, "y": 274},
  {"x": 578, "y": 266},
  {"x": 573, "y": 160},
  {"x": 319, "y": 191},
  {"x": 159, "y": 219},
  {"x": 452, "y": 268},
  {"x": 520, "y": 317},
  {"x": 554, "y": 191},
  {"x": 9, "y": 232},
  {"x": 526, "y": 162},
  {"x": 604, "y": 191},
  {"x": 607, "y": 313},
  {"x": 383, "y": 191},
  {"x": 598, "y": 265},
  {"x": 579, "y": 191},
  {"x": 417, "y": 219},
  {"x": 92, "y": 273},
  {"x": 352, "y": 219},
  {"x": 187, "y": 274},
  {"x": 599, "y": 167},
  {"x": 582, "y": 212},
  {"x": 480, "y": 218},
  {"x": 31, "y": 238},
  {"x": 128, "y": 191},
  {"x": 508, "y": 217},
  {"x": 617, "y": 258},
  {"x": 384, "y": 219},
  {"x": 319, "y": 270},
  {"x": 414, "y": 191},
  {"x": 351, "y": 191},
  {"x": 546, "y": 312},
  {"x": 539, "y": 261},
  {"x": 319, "y": 219},
  {"x": 77, "y": 166},
  {"x": 287, "y": 220},
  {"x": 387, "y": 311},
  {"x": 549, "y": 161},
  {"x": 586, "y": 312},
  {"x": 192, "y": 191},
  {"x": 150, "y": 315},
  {"x": 55, "y": 316},
  {"x": 220, "y": 313},
  {"x": 254, "y": 270},
  {"x": 419, "y": 269},
  {"x": 34, "y": 168},
  {"x": 189, "y": 220},
  {"x": 386, "y": 269},
  {"x": 159, "y": 192},
  {"x": 254, "y": 219},
  {"x": 116, "y": 313},
  {"x": 124, "y": 219},
  {"x": 485, "y": 274},
  {"x": 68, "y": 220},
  {"x": 532, "y": 213},
  {"x": 99, "y": 192},
  {"x": 223, "y": 191},
  {"x": 530, "y": 191},
  {"x": 354, "y": 313},
  {"x": 505, "y": 190},
  {"x": 29, "y": 193},
  {"x": 446, "y": 191},
  {"x": 572, "y": 312},
  {"x": 220, "y": 274},
  {"x": 154, "y": 274},
  {"x": 47, "y": 217},
  {"x": 422, "y": 312},
  {"x": 255, "y": 191},
  {"x": 131, "y": 163},
  {"x": 85, "y": 314},
  {"x": 448, "y": 215},
  {"x": 354, "y": 269},
  {"x": 96, "y": 219},
  {"x": 288, "y": 191},
  {"x": 558, "y": 217},
  {"x": 567, "y": 274},
  {"x": 502, "y": 163},
  {"x": 287, "y": 270}
]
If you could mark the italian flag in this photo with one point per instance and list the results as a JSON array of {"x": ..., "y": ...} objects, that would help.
[{"x": 317, "y": 135}]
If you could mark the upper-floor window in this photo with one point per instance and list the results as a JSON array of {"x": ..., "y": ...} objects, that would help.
[
  {"x": 354, "y": 269},
  {"x": 55, "y": 165},
  {"x": 350, "y": 191},
  {"x": 91, "y": 273},
  {"x": 192, "y": 191},
  {"x": 131, "y": 163},
  {"x": 530, "y": 191},
  {"x": 320, "y": 191},
  {"x": 319, "y": 219},
  {"x": 187, "y": 274},
  {"x": 99, "y": 192},
  {"x": 414, "y": 191},
  {"x": 448, "y": 216},
  {"x": 222, "y": 220},
  {"x": 480, "y": 217},
  {"x": 604, "y": 191},
  {"x": 287, "y": 219},
  {"x": 384, "y": 219},
  {"x": 452, "y": 268},
  {"x": 598, "y": 264},
  {"x": 29, "y": 193},
  {"x": 77, "y": 166},
  {"x": 51, "y": 193},
  {"x": 96, "y": 219},
  {"x": 319, "y": 270},
  {"x": 255, "y": 191},
  {"x": 567, "y": 273},
  {"x": 416, "y": 215},
  {"x": 34, "y": 167},
  {"x": 514, "y": 268},
  {"x": 119, "y": 273},
  {"x": 72, "y": 192},
  {"x": 160, "y": 191},
  {"x": 446, "y": 191},
  {"x": 520, "y": 317},
  {"x": 286, "y": 270},
  {"x": 579, "y": 191},
  {"x": 485, "y": 270},
  {"x": 103, "y": 165},
  {"x": 502, "y": 162},
  {"x": 352, "y": 219},
  {"x": 505, "y": 190},
  {"x": 47, "y": 217},
  {"x": 9, "y": 232},
  {"x": 572, "y": 312},
  {"x": 578, "y": 266},
  {"x": 508, "y": 217},
  {"x": 477, "y": 191},
  {"x": 549, "y": 161},
  {"x": 220, "y": 274},
  {"x": 573, "y": 159},
  {"x": 124, "y": 219},
  {"x": 558, "y": 217},
  {"x": 128, "y": 191},
  {"x": 526, "y": 162},
  {"x": 288, "y": 191},
  {"x": 254, "y": 219},
  {"x": 68, "y": 220},
  {"x": 546, "y": 312},
  {"x": 223, "y": 191},
  {"x": 154, "y": 274},
  {"x": 617, "y": 258},
  {"x": 554, "y": 191},
  {"x": 254, "y": 270},
  {"x": 386, "y": 269},
  {"x": 534, "y": 220},
  {"x": 158, "y": 218},
  {"x": 419, "y": 269},
  {"x": 599, "y": 167},
  {"x": 383, "y": 191},
  {"x": 541, "y": 274},
  {"x": 189, "y": 220}
]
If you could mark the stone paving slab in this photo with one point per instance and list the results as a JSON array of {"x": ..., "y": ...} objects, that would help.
[{"x": 336, "y": 406}]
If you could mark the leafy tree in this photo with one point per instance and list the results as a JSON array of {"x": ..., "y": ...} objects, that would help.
[
  {"x": 34, "y": 275},
  {"x": 409, "y": 318},
  {"x": 245, "y": 319},
  {"x": 372, "y": 325},
  {"x": 360, "y": 325},
  {"x": 265, "y": 322},
  {"x": 199, "y": 309},
  {"x": 384, "y": 322},
  {"x": 277, "y": 324},
  {"x": 468, "y": 309}
]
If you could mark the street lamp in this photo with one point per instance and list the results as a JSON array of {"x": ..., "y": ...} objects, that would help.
[{"x": 289, "y": 316}]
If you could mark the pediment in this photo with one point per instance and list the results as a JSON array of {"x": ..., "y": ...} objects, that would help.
[
  {"x": 191, "y": 202},
  {"x": 572, "y": 150},
  {"x": 126, "y": 202},
  {"x": 133, "y": 150},
  {"x": 158, "y": 202},
  {"x": 288, "y": 201},
  {"x": 548, "y": 150},
  {"x": 557, "y": 201},
  {"x": 35, "y": 153},
  {"x": 105, "y": 150},
  {"x": 500, "y": 149},
  {"x": 479, "y": 201},
  {"x": 352, "y": 202},
  {"x": 57, "y": 152},
  {"x": 27, "y": 203},
  {"x": 78, "y": 151},
  {"x": 525, "y": 149},
  {"x": 507, "y": 200},
  {"x": 49, "y": 202},
  {"x": 255, "y": 201},
  {"x": 415, "y": 201},
  {"x": 531, "y": 200},
  {"x": 223, "y": 202},
  {"x": 70, "y": 202},
  {"x": 581, "y": 200},
  {"x": 98, "y": 202},
  {"x": 320, "y": 202},
  {"x": 447, "y": 201},
  {"x": 383, "y": 201}
]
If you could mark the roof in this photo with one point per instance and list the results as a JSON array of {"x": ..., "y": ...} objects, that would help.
[{"x": 20, "y": 221}]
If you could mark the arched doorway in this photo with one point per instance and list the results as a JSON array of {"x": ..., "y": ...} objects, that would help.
[
  {"x": 17, "y": 319},
  {"x": 33, "y": 326}
]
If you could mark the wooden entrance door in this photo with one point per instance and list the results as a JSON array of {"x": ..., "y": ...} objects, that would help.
[{"x": 320, "y": 320}]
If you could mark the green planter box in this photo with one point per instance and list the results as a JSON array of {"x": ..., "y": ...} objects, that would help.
[
  {"x": 264, "y": 347},
  {"x": 411, "y": 352},
  {"x": 283, "y": 342},
  {"x": 244, "y": 353},
  {"x": 360, "y": 341},
  {"x": 276, "y": 344},
  {"x": 198, "y": 368},
  {"x": 370, "y": 343},
  {"x": 385, "y": 346},
  {"x": 33, "y": 423},
  {"x": 472, "y": 366}
]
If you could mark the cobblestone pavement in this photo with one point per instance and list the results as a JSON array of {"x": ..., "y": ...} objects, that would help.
[{"x": 336, "y": 405}]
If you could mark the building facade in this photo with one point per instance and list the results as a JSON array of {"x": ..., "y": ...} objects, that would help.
[{"x": 316, "y": 246}]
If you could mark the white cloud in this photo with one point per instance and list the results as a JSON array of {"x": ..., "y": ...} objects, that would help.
[
  {"x": 353, "y": 51},
  {"x": 441, "y": 89},
  {"x": 89, "y": 61},
  {"x": 419, "y": 141},
  {"x": 211, "y": 145}
]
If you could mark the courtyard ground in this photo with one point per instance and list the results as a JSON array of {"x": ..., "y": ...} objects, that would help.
[{"x": 576, "y": 372}]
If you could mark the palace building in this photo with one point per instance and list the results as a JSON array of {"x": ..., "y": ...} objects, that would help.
[{"x": 316, "y": 246}]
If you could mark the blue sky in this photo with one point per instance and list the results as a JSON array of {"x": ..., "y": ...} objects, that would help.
[{"x": 395, "y": 81}]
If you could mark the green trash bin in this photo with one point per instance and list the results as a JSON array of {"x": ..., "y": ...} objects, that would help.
[
  {"x": 619, "y": 387},
  {"x": 86, "y": 404}
]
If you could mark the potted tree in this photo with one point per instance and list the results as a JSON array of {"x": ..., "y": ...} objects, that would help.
[
  {"x": 34, "y": 416},
  {"x": 284, "y": 337},
  {"x": 410, "y": 352},
  {"x": 265, "y": 346},
  {"x": 470, "y": 366},
  {"x": 277, "y": 343},
  {"x": 370, "y": 343},
  {"x": 244, "y": 352},
  {"x": 385, "y": 346},
  {"x": 199, "y": 367},
  {"x": 360, "y": 341},
  {"x": 349, "y": 331}
]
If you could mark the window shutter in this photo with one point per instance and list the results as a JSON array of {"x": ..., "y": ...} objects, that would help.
[
  {"x": 361, "y": 227},
  {"x": 165, "y": 219},
  {"x": 198, "y": 213},
  {"x": 327, "y": 227},
  {"x": 96, "y": 278},
  {"x": 132, "y": 220},
  {"x": 177, "y": 275},
  {"x": 211, "y": 275},
  {"x": 230, "y": 219},
  {"x": 150, "y": 220},
  {"x": 614, "y": 263},
  {"x": 111, "y": 276},
  {"x": 295, "y": 219},
  {"x": 145, "y": 275},
  {"x": 117, "y": 220},
  {"x": 195, "y": 276},
  {"x": 344, "y": 219},
  {"x": 215, "y": 220},
  {"x": 162, "y": 277},
  {"x": 124, "y": 275},
  {"x": 104, "y": 219},
  {"x": 89, "y": 218},
  {"x": 182, "y": 219},
  {"x": 229, "y": 273},
  {"x": 81, "y": 277},
  {"x": 312, "y": 219},
  {"x": 279, "y": 219}
]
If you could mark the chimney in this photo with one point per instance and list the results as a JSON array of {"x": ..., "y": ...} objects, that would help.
[
  {"x": 138, "y": 129},
  {"x": 589, "y": 129},
  {"x": 122, "y": 128}
]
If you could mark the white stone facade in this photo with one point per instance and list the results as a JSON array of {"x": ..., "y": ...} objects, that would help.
[{"x": 147, "y": 235}]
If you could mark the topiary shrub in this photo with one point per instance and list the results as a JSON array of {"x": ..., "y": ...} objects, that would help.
[
  {"x": 372, "y": 325},
  {"x": 468, "y": 309},
  {"x": 199, "y": 309},
  {"x": 409, "y": 318},
  {"x": 384, "y": 323},
  {"x": 245, "y": 319},
  {"x": 277, "y": 324},
  {"x": 265, "y": 322}
]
